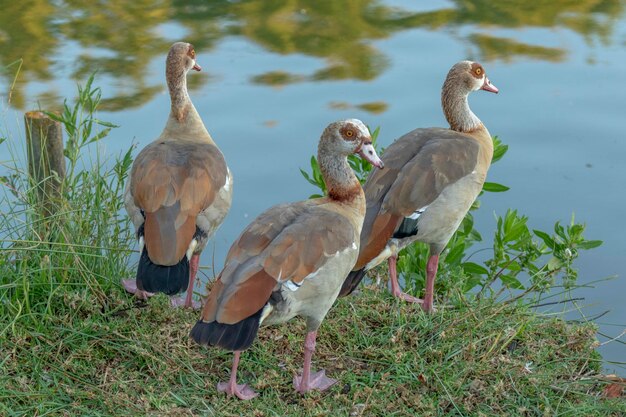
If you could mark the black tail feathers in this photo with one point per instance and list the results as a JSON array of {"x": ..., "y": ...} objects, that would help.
[
  {"x": 166, "y": 279},
  {"x": 238, "y": 336},
  {"x": 351, "y": 282}
]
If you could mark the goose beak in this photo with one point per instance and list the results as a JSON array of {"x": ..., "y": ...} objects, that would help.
[
  {"x": 487, "y": 86},
  {"x": 368, "y": 153},
  {"x": 196, "y": 67}
]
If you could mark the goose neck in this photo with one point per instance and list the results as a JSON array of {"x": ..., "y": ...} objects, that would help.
[
  {"x": 341, "y": 183},
  {"x": 457, "y": 111}
]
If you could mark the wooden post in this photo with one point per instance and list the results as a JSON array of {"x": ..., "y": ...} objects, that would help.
[{"x": 46, "y": 163}]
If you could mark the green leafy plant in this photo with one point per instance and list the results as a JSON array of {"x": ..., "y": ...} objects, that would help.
[
  {"x": 80, "y": 122},
  {"x": 83, "y": 245},
  {"x": 519, "y": 254}
]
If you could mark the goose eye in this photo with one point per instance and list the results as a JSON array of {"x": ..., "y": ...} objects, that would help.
[
  {"x": 192, "y": 54},
  {"x": 349, "y": 133},
  {"x": 478, "y": 71}
]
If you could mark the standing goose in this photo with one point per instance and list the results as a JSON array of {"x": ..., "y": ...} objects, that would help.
[
  {"x": 179, "y": 192},
  {"x": 432, "y": 178},
  {"x": 291, "y": 260}
]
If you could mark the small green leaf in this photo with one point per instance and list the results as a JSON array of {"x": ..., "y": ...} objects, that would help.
[
  {"x": 455, "y": 254},
  {"x": 374, "y": 133},
  {"x": 554, "y": 263},
  {"x": 514, "y": 266},
  {"x": 559, "y": 230},
  {"x": 474, "y": 235},
  {"x": 105, "y": 124},
  {"x": 306, "y": 177},
  {"x": 471, "y": 283},
  {"x": 511, "y": 282},
  {"x": 589, "y": 244},
  {"x": 499, "y": 149},
  {"x": 546, "y": 238},
  {"x": 54, "y": 116},
  {"x": 515, "y": 232},
  {"x": 474, "y": 268},
  {"x": 100, "y": 135},
  {"x": 494, "y": 187}
]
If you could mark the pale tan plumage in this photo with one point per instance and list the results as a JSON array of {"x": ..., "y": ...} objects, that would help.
[
  {"x": 173, "y": 182},
  {"x": 286, "y": 243},
  {"x": 431, "y": 179},
  {"x": 179, "y": 190},
  {"x": 291, "y": 260}
]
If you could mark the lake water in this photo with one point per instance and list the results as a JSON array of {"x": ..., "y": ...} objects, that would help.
[{"x": 276, "y": 73}]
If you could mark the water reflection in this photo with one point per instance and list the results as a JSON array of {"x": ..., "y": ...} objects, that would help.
[
  {"x": 28, "y": 34},
  {"x": 374, "y": 107},
  {"x": 505, "y": 49},
  {"x": 120, "y": 39}
]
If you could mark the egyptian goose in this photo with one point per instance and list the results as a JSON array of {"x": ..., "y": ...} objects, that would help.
[
  {"x": 432, "y": 178},
  {"x": 291, "y": 260},
  {"x": 179, "y": 192}
]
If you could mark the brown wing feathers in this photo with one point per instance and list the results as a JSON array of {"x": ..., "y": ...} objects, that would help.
[
  {"x": 419, "y": 166},
  {"x": 383, "y": 228},
  {"x": 172, "y": 183},
  {"x": 278, "y": 246},
  {"x": 160, "y": 226}
]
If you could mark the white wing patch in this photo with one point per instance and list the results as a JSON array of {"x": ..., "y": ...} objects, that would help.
[
  {"x": 267, "y": 310},
  {"x": 292, "y": 286},
  {"x": 192, "y": 247},
  {"x": 415, "y": 215},
  {"x": 386, "y": 253},
  {"x": 226, "y": 186}
]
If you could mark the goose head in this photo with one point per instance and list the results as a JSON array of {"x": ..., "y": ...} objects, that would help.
[
  {"x": 349, "y": 137},
  {"x": 180, "y": 59},
  {"x": 463, "y": 78},
  {"x": 468, "y": 76}
]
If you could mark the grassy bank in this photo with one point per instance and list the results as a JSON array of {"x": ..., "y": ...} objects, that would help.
[
  {"x": 390, "y": 359},
  {"x": 73, "y": 343}
]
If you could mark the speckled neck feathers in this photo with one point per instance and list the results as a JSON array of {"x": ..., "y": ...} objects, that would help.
[
  {"x": 177, "y": 85},
  {"x": 183, "y": 120},
  {"x": 341, "y": 183},
  {"x": 455, "y": 106}
]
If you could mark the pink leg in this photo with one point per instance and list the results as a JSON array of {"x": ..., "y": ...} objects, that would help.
[
  {"x": 243, "y": 392},
  {"x": 193, "y": 270},
  {"x": 130, "y": 285},
  {"x": 431, "y": 273},
  {"x": 395, "y": 285},
  {"x": 306, "y": 381}
]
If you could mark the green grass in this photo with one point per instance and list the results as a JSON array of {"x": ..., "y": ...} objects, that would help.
[{"x": 390, "y": 359}]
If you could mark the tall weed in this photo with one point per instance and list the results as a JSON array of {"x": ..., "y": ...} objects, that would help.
[{"x": 81, "y": 247}]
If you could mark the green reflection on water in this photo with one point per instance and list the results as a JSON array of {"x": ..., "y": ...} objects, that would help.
[{"x": 120, "y": 38}]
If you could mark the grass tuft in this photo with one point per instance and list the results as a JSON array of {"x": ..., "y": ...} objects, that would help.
[{"x": 136, "y": 359}]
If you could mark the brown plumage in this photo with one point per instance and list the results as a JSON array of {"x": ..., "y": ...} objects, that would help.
[
  {"x": 419, "y": 166},
  {"x": 291, "y": 260},
  {"x": 172, "y": 182},
  {"x": 287, "y": 243},
  {"x": 432, "y": 177},
  {"x": 179, "y": 190}
]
